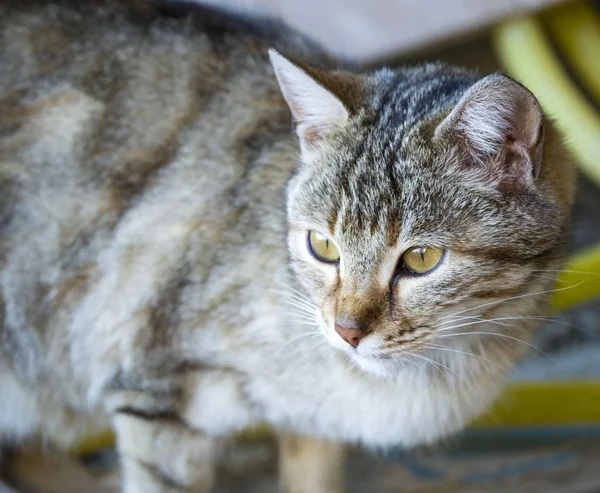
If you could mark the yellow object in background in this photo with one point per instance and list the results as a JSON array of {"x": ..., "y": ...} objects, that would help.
[
  {"x": 579, "y": 282},
  {"x": 544, "y": 404},
  {"x": 94, "y": 444},
  {"x": 528, "y": 56},
  {"x": 575, "y": 28}
]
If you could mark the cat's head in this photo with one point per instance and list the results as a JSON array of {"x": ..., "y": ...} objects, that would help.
[{"x": 422, "y": 206}]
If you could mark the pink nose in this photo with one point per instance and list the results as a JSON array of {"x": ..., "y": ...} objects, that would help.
[{"x": 350, "y": 333}]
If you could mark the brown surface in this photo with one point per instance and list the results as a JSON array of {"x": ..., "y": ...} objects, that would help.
[{"x": 32, "y": 470}]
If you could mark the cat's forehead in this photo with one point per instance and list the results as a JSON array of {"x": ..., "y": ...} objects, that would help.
[
  {"x": 370, "y": 194},
  {"x": 386, "y": 168},
  {"x": 383, "y": 177},
  {"x": 400, "y": 99}
]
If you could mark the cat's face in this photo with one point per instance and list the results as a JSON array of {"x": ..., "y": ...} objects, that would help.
[{"x": 409, "y": 225}]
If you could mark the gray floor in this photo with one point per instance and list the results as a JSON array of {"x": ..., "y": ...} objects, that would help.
[
  {"x": 561, "y": 468},
  {"x": 477, "y": 463}
]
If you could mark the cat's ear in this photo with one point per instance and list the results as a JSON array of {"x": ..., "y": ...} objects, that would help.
[
  {"x": 499, "y": 124},
  {"x": 315, "y": 109}
]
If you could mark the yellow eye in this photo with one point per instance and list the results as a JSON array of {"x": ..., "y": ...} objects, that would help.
[
  {"x": 421, "y": 260},
  {"x": 322, "y": 248}
]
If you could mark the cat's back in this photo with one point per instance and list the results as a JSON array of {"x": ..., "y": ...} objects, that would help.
[
  {"x": 115, "y": 85},
  {"x": 129, "y": 140}
]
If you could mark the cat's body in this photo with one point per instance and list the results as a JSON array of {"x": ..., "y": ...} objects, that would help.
[{"x": 145, "y": 271}]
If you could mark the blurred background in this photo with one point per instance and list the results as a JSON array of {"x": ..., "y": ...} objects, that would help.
[{"x": 544, "y": 433}]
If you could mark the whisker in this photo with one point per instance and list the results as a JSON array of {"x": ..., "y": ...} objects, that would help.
[
  {"x": 478, "y": 318},
  {"x": 519, "y": 317},
  {"x": 406, "y": 362},
  {"x": 491, "y": 303},
  {"x": 497, "y": 335},
  {"x": 321, "y": 344},
  {"x": 291, "y": 290},
  {"x": 439, "y": 347},
  {"x": 302, "y": 315},
  {"x": 440, "y": 328},
  {"x": 468, "y": 317},
  {"x": 294, "y": 339},
  {"x": 541, "y": 318},
  {"x": 303, "y": 322},
  {"x": 299, "y": 297},
  {"x": 546, "y": 278},
  {"x": 291, "y": 293},
  {"x": 303, "y": 309},
  {"x": 439, "y": 366},
  {"x": 300, "y": 304},
  {"x": 563, "y": 271}
]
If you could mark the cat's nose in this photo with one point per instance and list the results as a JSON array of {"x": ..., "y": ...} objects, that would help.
[{"x": 351, "y": 333}]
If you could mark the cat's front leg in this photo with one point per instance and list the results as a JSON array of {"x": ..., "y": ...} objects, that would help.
[
  {"x": 310, "y": 465},
  {"x": 159, "y": 454}
]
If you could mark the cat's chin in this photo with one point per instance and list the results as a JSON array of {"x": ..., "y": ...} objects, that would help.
[
  {"x": 372, "y": 364},
  {"x": 387, "y": 369},
  {"x": 368, "y": 361}
]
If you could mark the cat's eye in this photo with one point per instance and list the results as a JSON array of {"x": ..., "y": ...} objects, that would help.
[
  {"x": 323, "y": 248},
  {"x": 421, "y": 260}
]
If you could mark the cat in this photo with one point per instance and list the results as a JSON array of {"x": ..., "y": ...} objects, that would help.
[{"x": 208, "y": 223}]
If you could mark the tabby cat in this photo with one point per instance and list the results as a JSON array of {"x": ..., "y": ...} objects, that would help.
[{"x": 199, "y": 234}]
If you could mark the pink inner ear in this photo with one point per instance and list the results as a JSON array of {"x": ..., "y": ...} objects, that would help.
[
  {"x": 499, "y": 123},
  {"x": 316, "y": 110}
]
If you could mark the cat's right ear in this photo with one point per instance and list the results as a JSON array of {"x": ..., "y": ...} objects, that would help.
[
  {"x": 498, "y": 124},
  {"x": 315, "y": 109}
]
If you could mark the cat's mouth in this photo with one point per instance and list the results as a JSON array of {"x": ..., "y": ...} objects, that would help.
[
  {"x": 370, "y": 356},
  {"x": 384, "y": 365}
]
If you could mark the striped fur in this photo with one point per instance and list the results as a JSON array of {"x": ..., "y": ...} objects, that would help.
[{"x": 154, "y": 206}]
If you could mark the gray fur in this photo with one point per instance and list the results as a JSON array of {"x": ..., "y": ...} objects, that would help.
[{"x": 151, "y": 201}]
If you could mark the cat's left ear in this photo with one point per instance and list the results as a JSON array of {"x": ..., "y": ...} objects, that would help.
[
  {"x": 315, "y": 108},
  {"x": 499, "y": 123}
]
